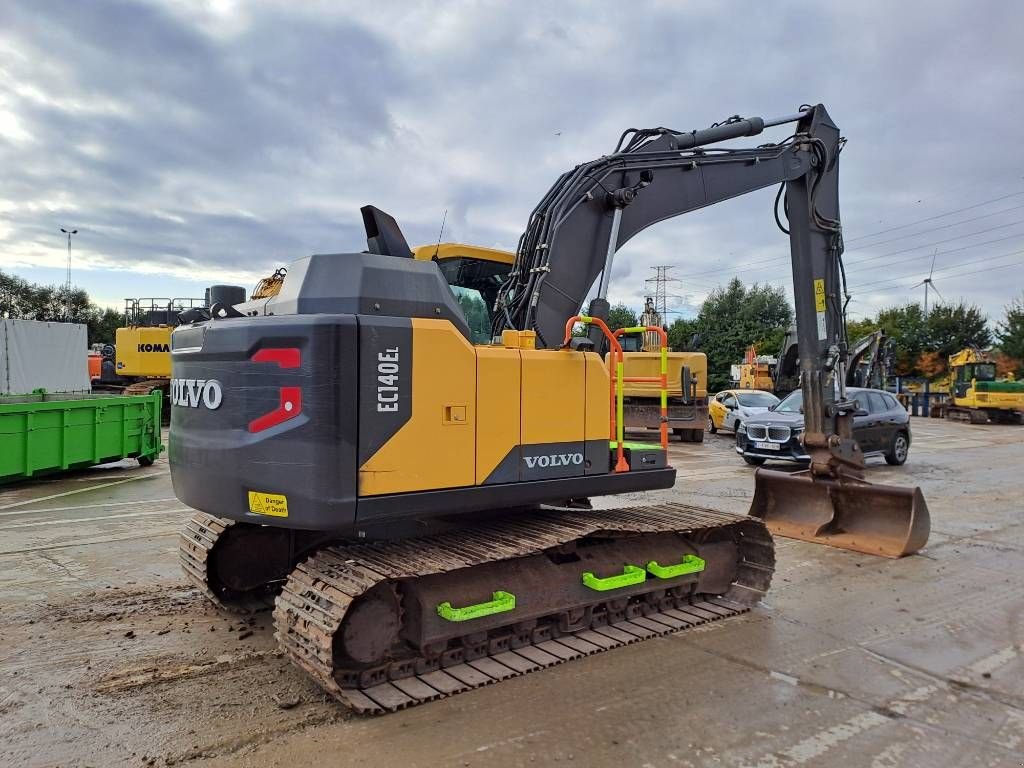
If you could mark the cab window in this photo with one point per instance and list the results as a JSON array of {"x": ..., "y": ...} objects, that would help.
[
  {"x": 475, "y": 310},
  {"x": 729, "y": 401}
]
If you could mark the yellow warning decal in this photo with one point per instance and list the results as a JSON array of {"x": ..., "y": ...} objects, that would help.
[
  {"x": 272, "y": 504},
  {"x": 819, "y": 295}
]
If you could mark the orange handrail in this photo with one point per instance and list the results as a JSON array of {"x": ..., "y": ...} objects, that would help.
[
  {"x": 616, "y": 359},
  {"x": 662, "y": 379}
]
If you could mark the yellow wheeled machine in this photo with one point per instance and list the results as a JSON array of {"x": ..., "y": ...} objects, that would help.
[{"x": 416, "y": 502}]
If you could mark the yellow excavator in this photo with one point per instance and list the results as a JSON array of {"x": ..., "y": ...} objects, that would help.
[
  {"x": 977, "y": 395},
  {"x": 409, "y": 484}
]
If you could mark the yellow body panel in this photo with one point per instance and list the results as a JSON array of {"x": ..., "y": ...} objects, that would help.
[
  {"x": 144, "y": 351},
  {"x": 554, "y": 409},
  {"x": 436, "y": 447},
  {"x": 717, "y": 411},
  {"x": 1004, "y": 401},
  {"x": 649, "y": 364},
  {"x": 473, "y": 406},
  {"x": 756, "y": 376},
  {"x": 460, "y": 250},
  {"x": 499, "y": 394},
  {"x": 597, "y": 414}
]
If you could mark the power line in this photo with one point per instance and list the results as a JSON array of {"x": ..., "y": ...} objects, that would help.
[
  {"x": 937, "y": 216},
  {"x": 944, "y": 226},
  {"x": 910, "y": 276},
  {"x": 959, "y": 274},
  {"x": 754, "y": 266},
  {"x": 858, "y": 262}
]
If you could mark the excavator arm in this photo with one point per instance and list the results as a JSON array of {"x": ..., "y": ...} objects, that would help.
[{"x": 655, "y": 174}]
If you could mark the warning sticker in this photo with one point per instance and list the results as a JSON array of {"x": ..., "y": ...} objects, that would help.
[
  {"x": 272, "y": 504},
  {"x": 819, "y": 295}
]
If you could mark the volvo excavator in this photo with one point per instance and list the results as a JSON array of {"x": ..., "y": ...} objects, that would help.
[{"x": 419, "y": 501}]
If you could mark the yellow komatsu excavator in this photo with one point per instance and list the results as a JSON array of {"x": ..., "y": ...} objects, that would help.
[{"x": 398, "y": 447}]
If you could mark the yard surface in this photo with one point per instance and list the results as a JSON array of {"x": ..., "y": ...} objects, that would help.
[{"x": 108, "y": 657}]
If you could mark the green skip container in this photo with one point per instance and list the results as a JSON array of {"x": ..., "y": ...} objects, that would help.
[{"x": 45, "y": 433}]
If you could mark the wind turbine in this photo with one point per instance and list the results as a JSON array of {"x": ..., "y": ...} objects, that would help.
[{"x": 929, "y": 283}]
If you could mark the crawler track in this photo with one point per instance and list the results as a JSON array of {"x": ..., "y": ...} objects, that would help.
[
  {"x": 196, "y": 543},
  {"x": 312, "y": 608}
]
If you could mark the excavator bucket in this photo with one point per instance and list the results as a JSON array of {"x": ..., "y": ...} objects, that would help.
[{"x": 885, "y": 520}]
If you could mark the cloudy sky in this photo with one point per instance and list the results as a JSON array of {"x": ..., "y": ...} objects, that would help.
[{"x": 204, "y": 141}]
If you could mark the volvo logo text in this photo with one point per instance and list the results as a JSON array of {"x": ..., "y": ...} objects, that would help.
[
  {"x": 193, "y": 393},
  {"x": 553, "y": 460}
]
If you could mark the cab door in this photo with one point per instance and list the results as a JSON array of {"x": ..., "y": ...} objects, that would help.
[
  {"x": 869, "y": 428},
  {"x": 716, "y": 411},
  {"x": 731, "y": 405}
]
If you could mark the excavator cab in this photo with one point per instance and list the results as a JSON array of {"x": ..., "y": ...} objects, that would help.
[{"x": 474, "y": 274}]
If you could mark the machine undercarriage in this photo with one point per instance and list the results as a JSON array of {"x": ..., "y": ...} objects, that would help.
[{"x": 387, "y": 625}]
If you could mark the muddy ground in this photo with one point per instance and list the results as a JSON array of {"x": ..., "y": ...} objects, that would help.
[{"x": 107, "y": 656}]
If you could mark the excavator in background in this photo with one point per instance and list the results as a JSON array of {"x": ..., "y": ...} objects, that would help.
[
  {"x": 139, "y": 360},
  {"x": 870, "y": 363},
  {"x": 757, "y": 371},
  {"x": 686, "y": 394},
  {"x": 418, "y": 502},
  {"x": 976, "y": 395}
]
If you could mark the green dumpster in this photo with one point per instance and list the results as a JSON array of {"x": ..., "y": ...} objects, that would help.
[{"x": 43, "y": 433}]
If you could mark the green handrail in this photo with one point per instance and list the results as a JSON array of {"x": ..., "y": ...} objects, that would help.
[
  {"x": 690, "y": 564},
  {"x": 630, "y": 575},
  {"x": 500, "y": 602}
]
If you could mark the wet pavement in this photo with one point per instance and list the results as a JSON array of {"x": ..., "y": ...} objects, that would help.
[{"x": 107, "y": 656}]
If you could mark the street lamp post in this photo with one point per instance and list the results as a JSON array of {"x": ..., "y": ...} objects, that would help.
[{"x": 67, "y": 287}]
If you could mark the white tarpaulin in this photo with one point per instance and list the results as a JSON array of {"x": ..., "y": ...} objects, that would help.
[{"x": 50, "y": 356}]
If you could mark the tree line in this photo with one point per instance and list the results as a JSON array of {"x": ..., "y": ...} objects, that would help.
[
  {"x": 23, "y": 300},
  {"x": 736, "y": 316}
]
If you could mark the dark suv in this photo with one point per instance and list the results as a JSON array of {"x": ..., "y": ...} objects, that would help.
[{"x": 881, "y": 426}]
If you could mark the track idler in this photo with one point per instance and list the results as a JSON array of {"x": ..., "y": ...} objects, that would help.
[{"x": 885, "y": 520}]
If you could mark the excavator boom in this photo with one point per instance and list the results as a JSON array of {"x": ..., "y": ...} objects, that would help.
[{"x": 655, "y": 174}]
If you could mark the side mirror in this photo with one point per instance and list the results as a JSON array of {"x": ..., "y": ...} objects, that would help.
[
  {"x": 860, "y": 412},
  {"x": 773, "y": 406}
]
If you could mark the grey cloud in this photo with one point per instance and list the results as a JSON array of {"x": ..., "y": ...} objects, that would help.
[{"x": 258, "y": 144}]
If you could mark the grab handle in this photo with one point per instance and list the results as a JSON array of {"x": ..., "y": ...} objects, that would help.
[
  {"x": 500, "y": 603},
  {"x": 630, "y": 576},
  {"x": 690, "y": 564}
]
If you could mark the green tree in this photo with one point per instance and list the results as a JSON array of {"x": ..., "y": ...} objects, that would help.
[
  {"x": 477, "y": 316},
  {"x": 621, "y": 316},
  {"x": 681, "y": 333},
  {"x": 952, "y": 328},
  {"x": 733, "y": 318},
  {"x": 22, "y": 300},
  {"x": 1010, "y": 331},
  {"x": 908, "y": 329},
  {"x": 103, "y": 324},
  {"x": 856, "y": 329}
]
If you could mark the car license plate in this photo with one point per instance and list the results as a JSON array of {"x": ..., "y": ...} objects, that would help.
[{"x": 768, "y": 446}]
